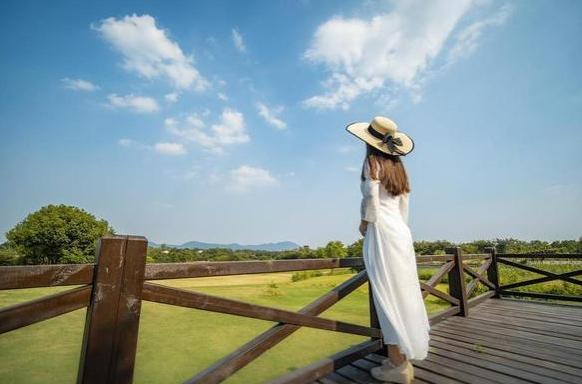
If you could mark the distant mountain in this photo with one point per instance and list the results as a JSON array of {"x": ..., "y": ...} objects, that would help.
[{"x": 280, "y": 246}]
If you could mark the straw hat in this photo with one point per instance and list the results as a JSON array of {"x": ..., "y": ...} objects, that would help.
[{"x": 382, "y": 133}]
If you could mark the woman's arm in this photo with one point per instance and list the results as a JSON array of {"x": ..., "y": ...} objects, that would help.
[{"x": 370, "y": 198}]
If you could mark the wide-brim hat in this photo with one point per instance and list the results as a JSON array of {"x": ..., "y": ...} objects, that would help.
[{"x": 383, "y": 134}]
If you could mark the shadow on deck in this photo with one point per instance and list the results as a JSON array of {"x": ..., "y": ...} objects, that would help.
[{"x": 502, "y": 341}]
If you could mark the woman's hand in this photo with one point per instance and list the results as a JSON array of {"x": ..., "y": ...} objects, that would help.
[{"x": 363, "y": 227}]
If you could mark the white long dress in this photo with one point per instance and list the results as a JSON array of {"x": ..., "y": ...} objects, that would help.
[{"x": 390, "y": 261}]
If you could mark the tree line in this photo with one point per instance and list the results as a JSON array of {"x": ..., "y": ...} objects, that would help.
[{"x": 60, "y": 234}]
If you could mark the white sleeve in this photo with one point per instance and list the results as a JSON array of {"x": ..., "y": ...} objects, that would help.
[
  {"x": 370, "y": 196},
  {"x": 404, "y": 204}
]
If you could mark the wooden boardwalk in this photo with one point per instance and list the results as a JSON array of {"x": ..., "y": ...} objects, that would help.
[
  {"x": 479, "y": 338},
  {"x": 502, "y": 341}
]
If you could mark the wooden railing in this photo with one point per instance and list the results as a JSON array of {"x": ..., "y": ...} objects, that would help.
[
  {"x": 509, "y": 289},
  {"x": 115, "y": 286}
]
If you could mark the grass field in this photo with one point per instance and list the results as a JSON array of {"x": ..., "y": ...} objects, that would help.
[{"x": 175, "y": 343}]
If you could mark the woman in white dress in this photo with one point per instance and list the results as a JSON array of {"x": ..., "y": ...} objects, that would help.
[{"x": 388, "y": 248}]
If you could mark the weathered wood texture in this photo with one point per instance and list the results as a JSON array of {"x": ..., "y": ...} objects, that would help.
[
  {"x": 163, "y": 271},
  {"x": 493, "y": 271},
  {"x": 44, "y": 308},
  {"x": 32, "y": 276},
  {"x": 111, "y": 326},
  {"x": 502, "y": 341},
  {"x": 457, "y": 287}
]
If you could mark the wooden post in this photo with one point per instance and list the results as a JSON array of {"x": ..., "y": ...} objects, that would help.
[
  {"x": 457, "y": 280},
  {"x": 493, "y": 270},
  {"x": 111, "y": 326}
]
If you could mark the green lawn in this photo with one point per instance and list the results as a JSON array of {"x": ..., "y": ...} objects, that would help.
[{"x": 175, "y": 343}]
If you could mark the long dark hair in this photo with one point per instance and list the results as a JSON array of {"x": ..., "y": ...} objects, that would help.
[{"x": 389, "y": 170}]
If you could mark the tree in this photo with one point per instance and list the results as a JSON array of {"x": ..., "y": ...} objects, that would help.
[
  {"x": 355, "y": 249},
  {"x": 8, "y": 256},
  {"x": 335, "y": 249},
  {"x": 57, "y": 234}
]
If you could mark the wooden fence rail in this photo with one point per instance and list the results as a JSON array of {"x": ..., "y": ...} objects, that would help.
[{"x": 114, "y": 287}]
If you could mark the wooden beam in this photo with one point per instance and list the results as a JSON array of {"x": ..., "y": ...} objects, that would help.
[
  {"x": 227, "y": 366},
  {"x": 44, "y": 308},
  {"x": 32, "y": 276},
  {"x": 436, "y": 279},
  {"x": 190, "y": 299},
  {"x": 541, "y": 255},
  {"x": 441, "y": 295},
  {"x": 225, "y": 268},
  {"x": 549, "y": 275},
  {"x": 478, "y": 276}
]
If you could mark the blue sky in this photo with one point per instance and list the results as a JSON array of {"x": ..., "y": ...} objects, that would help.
[{"x": 224, "y": 121}]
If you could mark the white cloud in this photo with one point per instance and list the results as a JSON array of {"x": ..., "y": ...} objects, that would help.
[
  {"x": 352, "y": 169},
  {"x": 172, "y": 97},
  {"x": 140, "y": 104},
  {"x": 386, "y": 53},
  {"x": 222, "y": 96},
  {"x": 467, "y": 40},
  {"x": 229, "y": 130},
  {"x": 238, "y": 41},
  {"x": 148, "y": 51},
  {"x": 246, "y": 177},
  {"x": 172, "y": 149},
  {"x": 271, "y": 115},
  {"x": 79, "y": 85},
  {"x": 125, "y": 142}
]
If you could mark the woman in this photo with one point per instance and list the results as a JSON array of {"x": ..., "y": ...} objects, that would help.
[{"x": 388, "y": 249}]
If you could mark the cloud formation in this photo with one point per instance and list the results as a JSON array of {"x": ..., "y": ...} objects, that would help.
[
  {"x": 171, "y": 149},
  {"x": 172, "y": 97},
  {"x": 229, "y": 130},
  {"x": 139, "y": 104},
  {"x": 238, "y": 41},
  {"x": 148, "y": 51},
  {"x": 389, "y": 51},
  {"x": 270, "y": 115},
  {"x": 79, "y": 85},
  {"x": 246, "y": 177},
  {"x": 467, "y": 40}
]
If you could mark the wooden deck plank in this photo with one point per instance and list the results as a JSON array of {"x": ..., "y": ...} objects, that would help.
[
  {"x": 334, "y": 378},
  {"x": 531, "y": 315},
  {"x": 550, "y": 351},
  {"x": 550, "y": 310},
  {"x": 543, "y": 357},
  {"x": 509, "y": 329},
  {"x": 566, "y": 309},
  {"x": 501, "y": 341},
  {"x": 568, "y": 331},
  {"x": 428, "y": 369},
  {"x": 357, "y": 375},
  {"x": 528, "y": 371},
  {"x": 473, "y": 367}
]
